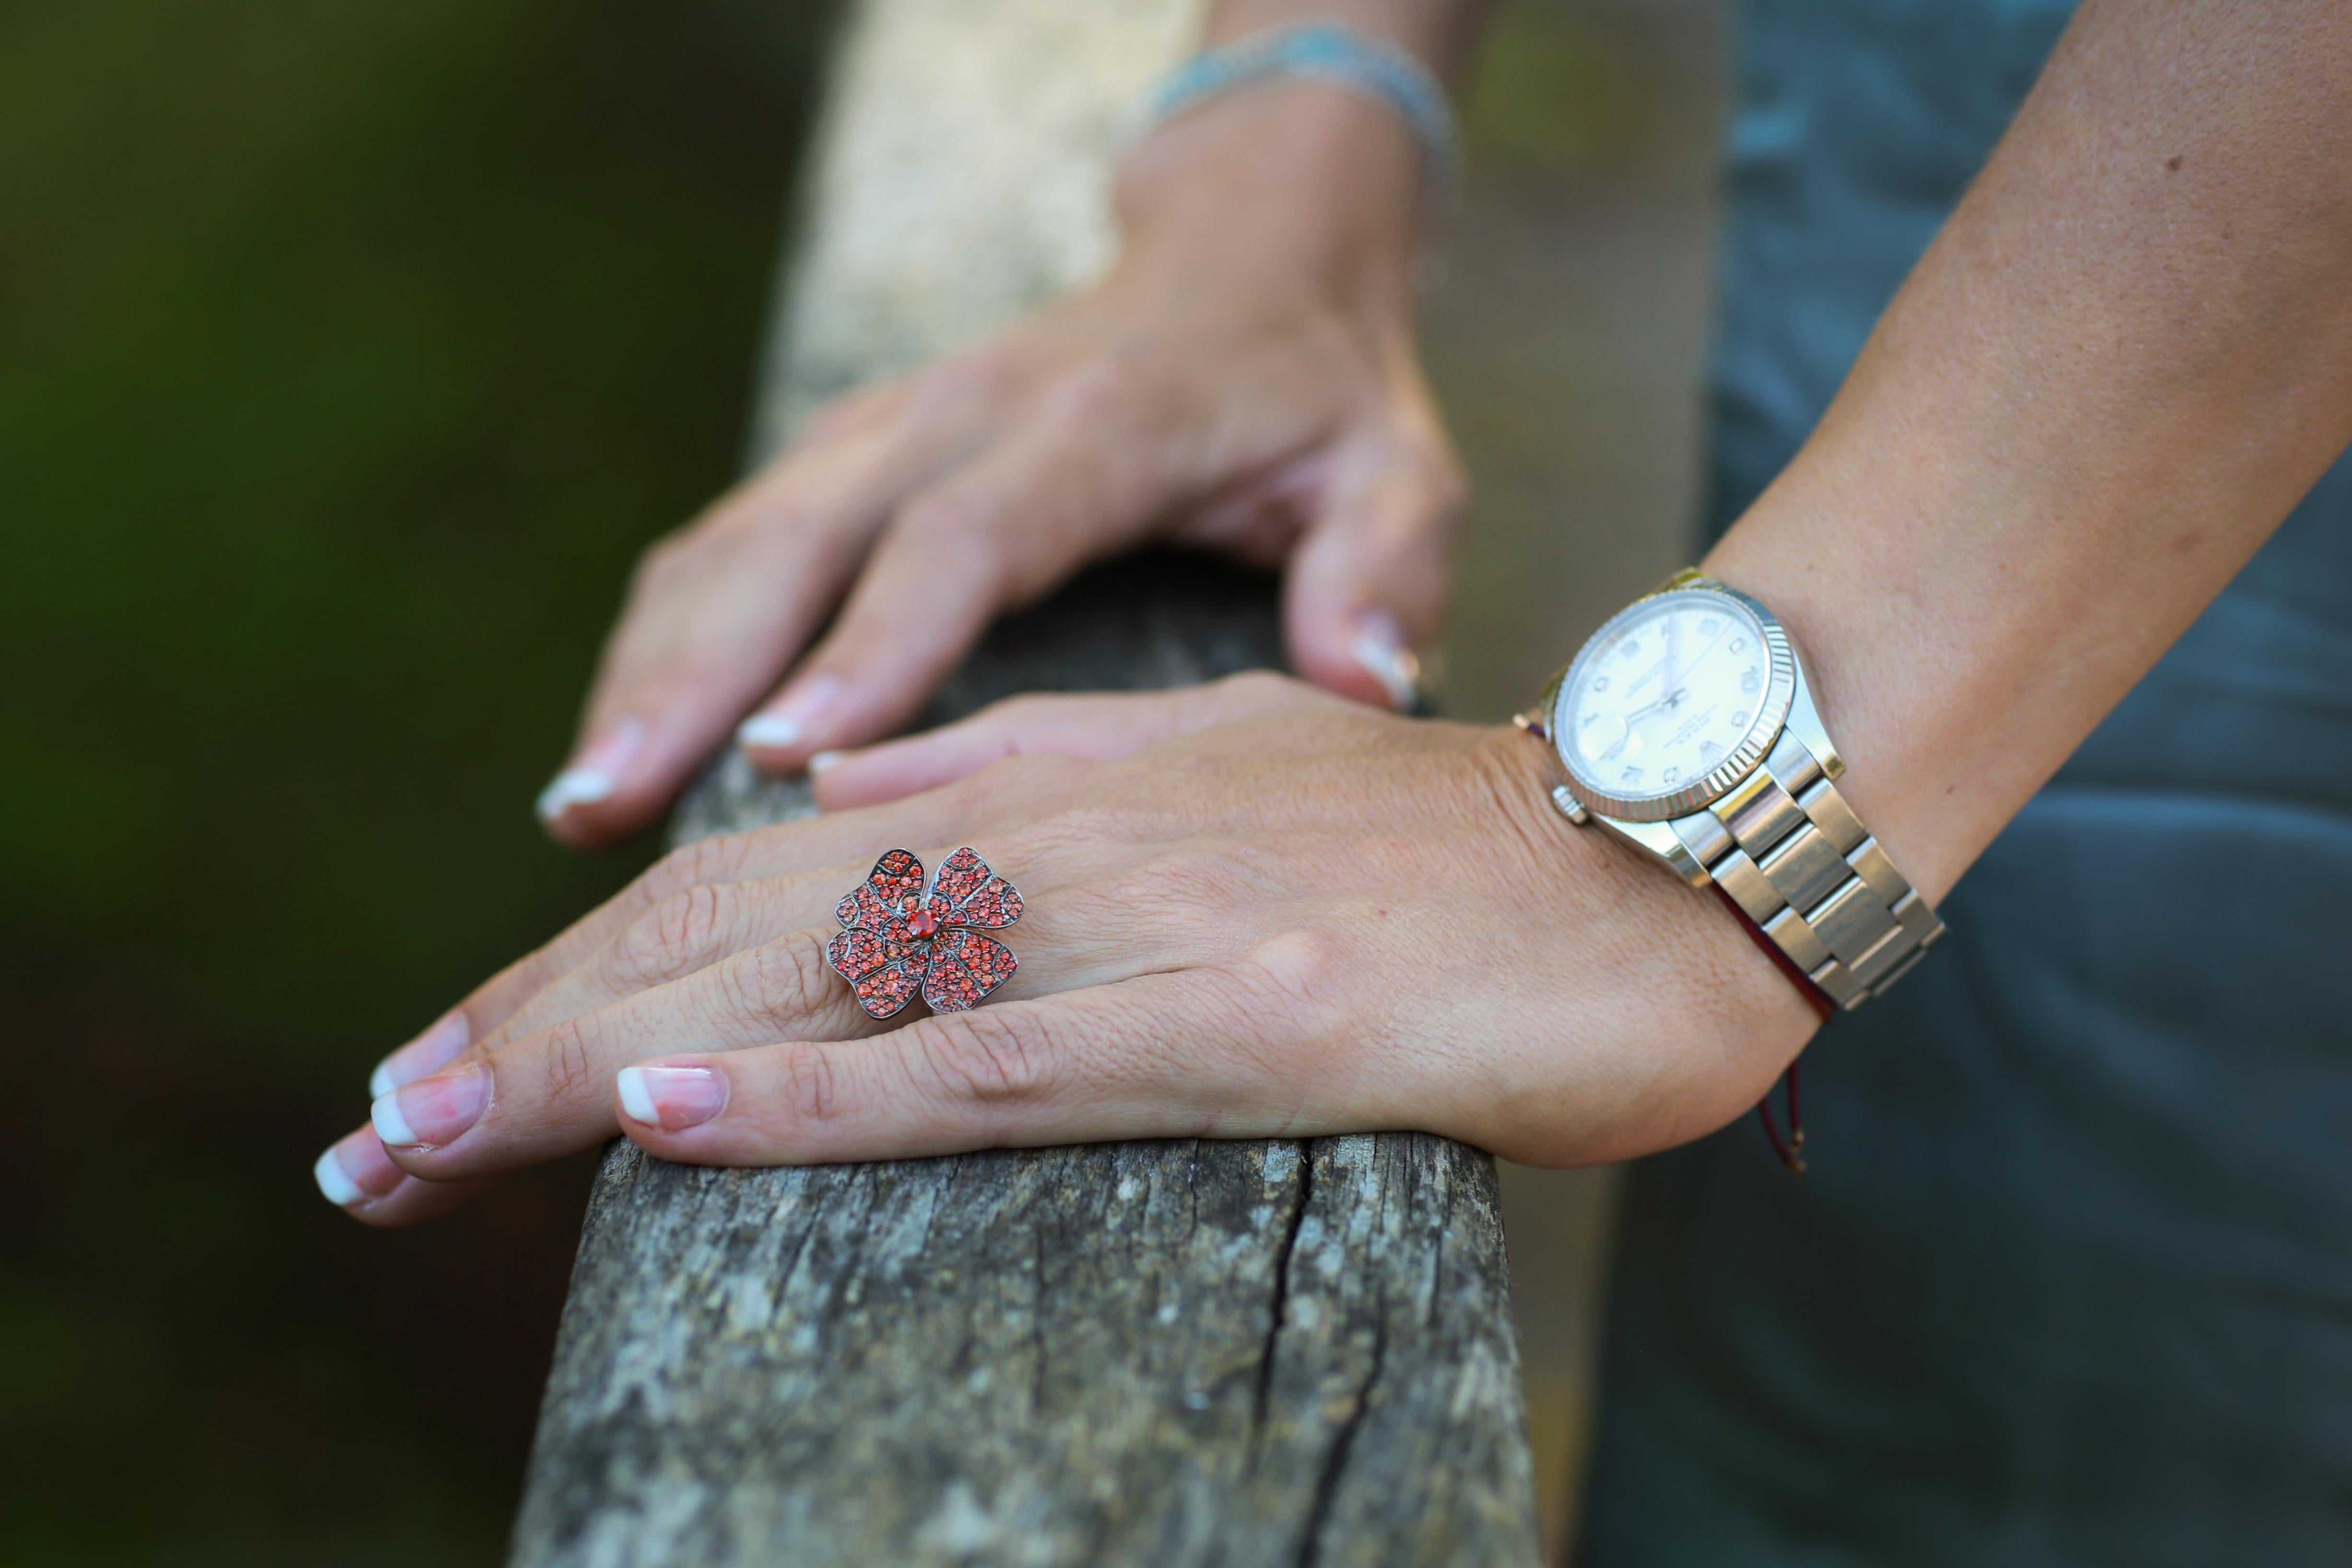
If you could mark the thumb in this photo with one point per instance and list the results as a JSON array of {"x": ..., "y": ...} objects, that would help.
[{"x": 1368, "y": 585}]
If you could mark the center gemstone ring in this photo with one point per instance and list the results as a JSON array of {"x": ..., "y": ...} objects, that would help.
[{"x": 902, "y": 935}]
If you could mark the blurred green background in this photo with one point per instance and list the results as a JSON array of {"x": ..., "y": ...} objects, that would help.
[{"x": 348, "y": 354}]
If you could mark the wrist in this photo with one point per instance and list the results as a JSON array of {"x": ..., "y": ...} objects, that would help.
[
  {"x": 1890, "y": 678},
  {"x": 1306, "y": 177}
]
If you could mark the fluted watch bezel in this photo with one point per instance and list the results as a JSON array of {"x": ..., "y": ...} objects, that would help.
[{"x": 1742, "y": 759}]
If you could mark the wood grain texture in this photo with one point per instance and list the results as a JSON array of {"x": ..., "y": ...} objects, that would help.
[{"x": 1193, "y": 1352}]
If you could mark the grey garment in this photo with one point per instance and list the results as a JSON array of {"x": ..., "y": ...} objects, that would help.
[{"x": 2071, "y": 1281}]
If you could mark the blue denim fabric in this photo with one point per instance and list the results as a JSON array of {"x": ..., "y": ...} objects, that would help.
[{"x": 2071, "y": 1281}]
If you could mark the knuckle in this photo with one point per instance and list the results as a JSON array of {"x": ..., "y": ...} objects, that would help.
[
  {"x": 776, "y": 986},
  {"x": 1444, "y": 483},
  {"x": 679, "y": 935},
  {"x": 987, "y": 1058},
  {"x": 808, "y": 1079},
  {"x": 1287, "y": 980},
  {"x": 568, "y": 1065}
]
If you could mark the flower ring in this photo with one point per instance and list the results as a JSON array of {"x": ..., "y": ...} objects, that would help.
[{"x": 897, "y": 938}]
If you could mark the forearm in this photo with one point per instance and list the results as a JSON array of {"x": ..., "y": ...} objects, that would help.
[{"x": 2123, "y": 362}]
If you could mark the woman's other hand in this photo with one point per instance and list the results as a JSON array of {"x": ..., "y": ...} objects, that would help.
[
  {"x": 1280, "y": 914},
  {"x": 1245, "y": 379}
]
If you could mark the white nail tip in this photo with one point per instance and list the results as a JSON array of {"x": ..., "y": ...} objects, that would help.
[
  {"x": 1394, "y": 667},
  {"x": 636, "y": 1099},
  {"x": 576, "y": 787},
  {"x": 380, "y": 1082},
  {"x": 336, "y": 1182},
  {"x": 768, "y": 730},
  {"x": 823, "y": 761},
  {"x": 389, "y": 1124}
]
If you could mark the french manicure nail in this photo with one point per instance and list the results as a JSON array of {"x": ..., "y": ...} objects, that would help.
[
  {"x": 335, "y": 1182},
  {"x": 435, "y": 1112},
  {"x": 823, "y": 761},
  {"x": 671, "y": 1097},
  {"x": 784, "y": 724},
  {"x": 596, "y": 773},
  {"x": 355, "y": 1169},
  {"x": 1379, "y": 648},
  {"x": 429, "y": 1052}
]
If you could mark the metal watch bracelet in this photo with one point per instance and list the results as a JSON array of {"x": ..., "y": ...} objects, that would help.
[{"x": 1790, "y": 852}]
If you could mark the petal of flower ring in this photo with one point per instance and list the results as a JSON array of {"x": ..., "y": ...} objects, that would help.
[
  {"x": 965, "y": 967},
  {"x": 975, "y": 896}
]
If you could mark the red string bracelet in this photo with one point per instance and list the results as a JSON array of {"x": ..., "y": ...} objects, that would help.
[{"x": 1792, "y": 1150}]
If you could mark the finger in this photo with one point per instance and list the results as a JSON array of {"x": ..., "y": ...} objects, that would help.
[
  {"x": 549, "y": 1092},
  {"x": 1206, "y": 1053},
  {"x": 1368, "y": 585},
  {"x": 680, "y": 936},
  {"x": 1099, "y": 726},
  {"x": 715, "y": 615},
  {"x": 835, "y": 840},
  {"x": 1087, "y": 474},
  {"x": 357, "y": 1176}
]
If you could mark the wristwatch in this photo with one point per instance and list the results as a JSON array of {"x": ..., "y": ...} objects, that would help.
[{"x": 1688, "y": 730}]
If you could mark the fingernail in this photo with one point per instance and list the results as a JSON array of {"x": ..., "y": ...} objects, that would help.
[
  {"x": 355, "y": 1169},
  {"x": 596, "y": 773},
  {"x": 671, "y": 1097},
  {"x": 1379, "y": 648},
  {"x": 823, "y": 761},
  {"x": 435, "y": 1112},
  {"x": 784, "y": 724},
  {"x": 429, "y": 1052}
]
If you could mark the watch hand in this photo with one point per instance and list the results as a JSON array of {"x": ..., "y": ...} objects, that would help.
[{"x": 1674, "y": 624}]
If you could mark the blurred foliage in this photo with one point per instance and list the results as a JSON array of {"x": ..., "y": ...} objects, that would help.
[{"x": 348, "y": 354}]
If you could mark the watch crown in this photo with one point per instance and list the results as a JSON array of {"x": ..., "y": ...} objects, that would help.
[{"x": 1570, "y": 806}]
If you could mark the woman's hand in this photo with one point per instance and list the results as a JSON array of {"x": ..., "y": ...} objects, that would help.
[
  {"x": 1245, "y": 379},
  {"x": 1277, "y": 914}
]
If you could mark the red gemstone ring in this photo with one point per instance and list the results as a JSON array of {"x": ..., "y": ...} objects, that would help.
[{"x": 901, "y": 935}]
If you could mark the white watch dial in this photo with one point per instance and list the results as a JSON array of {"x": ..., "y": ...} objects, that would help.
[{"x": 1668, "y": 696}]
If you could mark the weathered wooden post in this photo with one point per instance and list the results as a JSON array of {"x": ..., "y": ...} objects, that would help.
[{"x": 1166, "y": 1353}]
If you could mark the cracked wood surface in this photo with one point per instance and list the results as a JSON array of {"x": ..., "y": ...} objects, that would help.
[{"x": 1188, "y": 1351}]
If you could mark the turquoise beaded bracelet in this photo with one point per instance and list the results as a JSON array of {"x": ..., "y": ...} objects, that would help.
[{"x": 1327, "y": 52}]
